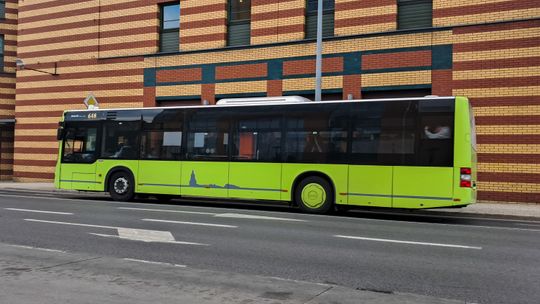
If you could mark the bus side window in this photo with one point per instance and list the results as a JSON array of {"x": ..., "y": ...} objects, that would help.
[
  {"x": 162, "y": 135},
  {"x": 208, "y": 137},
  {"x": 121, "y": 139},
  {"x": 257, "y": 138},
  {"x": 436, "y": 134},
  {"x": 79, "y": 145},
  {"x": 316, "y": 134}
]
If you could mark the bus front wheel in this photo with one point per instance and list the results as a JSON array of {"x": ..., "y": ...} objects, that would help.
[
  {"x": 314, "y": 194},
  {"x": 121, "y": 186}
]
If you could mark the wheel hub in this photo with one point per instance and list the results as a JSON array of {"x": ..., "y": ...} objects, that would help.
[
  {"x": 121, "y": 185},
  {"x": 313, "y": 195}
]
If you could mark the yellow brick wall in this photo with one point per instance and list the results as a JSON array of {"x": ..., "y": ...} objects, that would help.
[
  {"x": 367, "y": 17},
  {"x": 200, "y": 28}
]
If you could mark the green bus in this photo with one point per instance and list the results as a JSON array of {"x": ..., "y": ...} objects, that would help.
[{"x": 395, "y": 153}]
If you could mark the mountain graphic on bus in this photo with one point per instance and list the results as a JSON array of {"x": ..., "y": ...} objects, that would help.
[{"x": 193, "y": 183}]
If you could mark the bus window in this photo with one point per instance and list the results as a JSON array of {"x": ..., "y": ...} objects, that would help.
[
  {"x": 257, "y": 139},
  {"x": 162, "y": 135},
  {"x": 316, "y": 134},
  {"x": 436, "y": 127},
  {"x": 383, "y": 133},
  {"x": 120, "y": 139},
  {"x": 208, "y": 137},
  {"x": 79, "y": 145}
]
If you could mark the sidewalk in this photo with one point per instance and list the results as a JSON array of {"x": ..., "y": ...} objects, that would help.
[
  {"x": 38, "y": 276},
  {"x": 487, "y": 208}
]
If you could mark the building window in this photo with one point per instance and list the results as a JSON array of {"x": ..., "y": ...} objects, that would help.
[
  {"x": 311, "y": 18},
  {"x": 415, "y": 14},
  {"x": 170, "y": 26},
  {"x": 1, "y": 53},
  {"x": 239, "y": 22},
  {"x": 2, "y": 9}
]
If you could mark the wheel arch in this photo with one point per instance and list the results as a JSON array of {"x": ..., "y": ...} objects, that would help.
[
  {"x": 115, "y": 170},
  {"x": 306, "y": 174}
]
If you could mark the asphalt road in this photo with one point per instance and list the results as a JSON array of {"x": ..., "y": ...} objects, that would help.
[{"x": 476, "y": 260}]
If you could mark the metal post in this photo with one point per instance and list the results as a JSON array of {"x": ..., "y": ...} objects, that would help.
[{"x": 318, "y": 56}]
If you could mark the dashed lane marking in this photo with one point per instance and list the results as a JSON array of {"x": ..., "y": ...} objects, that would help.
[
  {"x": 38, "y": 211},
  {"x": 189, "y": 223},
  {"x": 407, "y": 242},
  {"x": 36, "y": 248},
  {"x": 167, "y": 210},
  {"x": 256, "y": 217},
  {"x": 223, "y": 215},
  {"x": 153, "y": 262}
]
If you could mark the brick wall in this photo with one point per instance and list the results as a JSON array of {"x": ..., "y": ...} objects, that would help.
[
  {"x": 277, "y": 20},
  {"x": 497, "y": 67},
  {"x": 8, "y": 29},
  {"x": 203, "y": 24},
  {"x": 76, "y": 36},
  {"x": 365, "y": 16}
]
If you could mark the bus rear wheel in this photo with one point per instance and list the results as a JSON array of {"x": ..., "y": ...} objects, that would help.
[
  {"x": 121, "y": 186},
  {"x": 314, "y": 195}
]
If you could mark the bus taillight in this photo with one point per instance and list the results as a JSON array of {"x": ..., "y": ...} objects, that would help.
[{"x": 465, "y": 177}]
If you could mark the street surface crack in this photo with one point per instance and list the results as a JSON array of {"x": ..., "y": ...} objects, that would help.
[
  {"x": 319, "y": 294},
  {"x": 68, "y": 263}
]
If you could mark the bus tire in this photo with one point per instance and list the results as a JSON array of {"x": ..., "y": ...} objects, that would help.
[
  {"x": 314, "y": 194},
  {"x": 121, "y": 186}
]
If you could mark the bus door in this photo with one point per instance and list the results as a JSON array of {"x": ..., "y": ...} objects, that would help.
[
  {"x": 160, "y": 167},
  {"x": 205, "y": 172},
  {"x": 424, "y": 177},
  {"x": 255, "y": 168},
  {"x": 78, "y": 159}
]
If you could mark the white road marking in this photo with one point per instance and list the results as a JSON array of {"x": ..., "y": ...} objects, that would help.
[
  {"x": 145, "y": 235},
  {"x": 225, "y": 215},
  {"x": 153, "y": 262},
  {"x": 189, "y": 223},
  {"x": 72, "y": 224},
  {"x": 406, "y": 242},
  {"x": 256, "y": 217},
  {"x": 125, "y": 233},
  {"x": 166, "y": 210},
  {"x": 39, "y": 211},
  {"x": 166, "y": 242},
  {"x": 37, "y": 248}
]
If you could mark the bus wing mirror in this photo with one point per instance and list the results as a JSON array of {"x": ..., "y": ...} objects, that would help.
[{"x": 60, "y": 132}]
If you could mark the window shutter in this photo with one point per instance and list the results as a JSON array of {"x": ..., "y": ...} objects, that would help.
[
  {"x": 328, "y": 25},
  {"x": 2, "y": 9},
  {"x": 169, "y": 41},
  {"x": 239, "y": 34},
  {"x": 415, "y": 14}
]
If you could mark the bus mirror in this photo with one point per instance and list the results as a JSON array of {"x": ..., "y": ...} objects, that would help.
[{"x": 60, "y": 133}]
